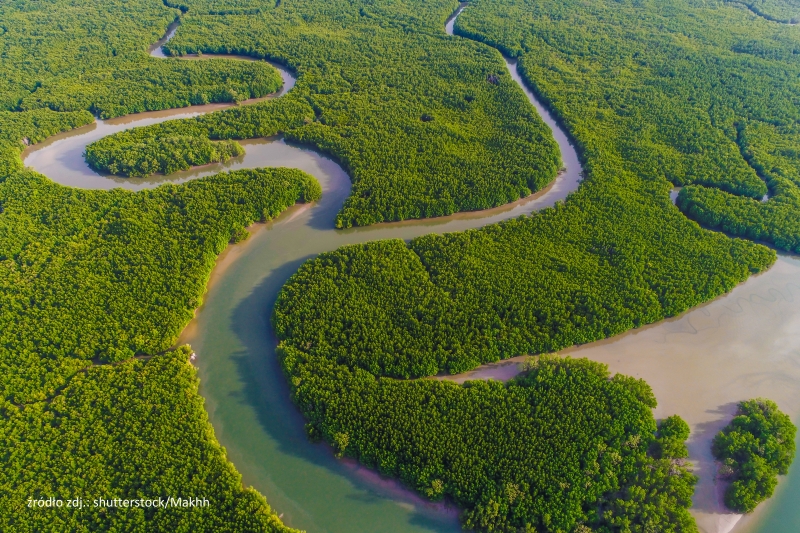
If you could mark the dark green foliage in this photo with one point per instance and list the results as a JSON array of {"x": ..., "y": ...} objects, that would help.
[
  {"x": 166, "y": 155},
  {"x": 673, "y": 432},
  {"x": 657, "y": 496},
  {"x": 754, "y": 449},
  {"x": 367, "y": 75},
  {"x": 559, "y": 446},
  {"x": 134, "y": 430},
  {"x": 110, "y": 274}
]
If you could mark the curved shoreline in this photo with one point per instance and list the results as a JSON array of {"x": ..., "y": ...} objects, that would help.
[
  {"x": 246, "y": 397},
  {"x": 700, "y": 364},
  {"x": 709, "y": 509},
  {"x": 264, "y": 437},
  {"x": 765, "y": 16}
]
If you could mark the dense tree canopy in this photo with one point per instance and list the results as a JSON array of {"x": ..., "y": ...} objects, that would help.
[
  {"x": 409, "y": 111},
  {"x": 69, "y": 56},
  {"x": 753, "y": 449},
  {"x": 655, "y": 94},
  {"x": 110, "y": 274},
  {"x": 702, "y": 94},
  {"x": 89, "y": 278},
  {"x": 166, "y": 155},
  {"x": 17, "y": 130},
  {"x": 774, "y": 152},
  {"x": 137, "y": 430},
  {"x": 648, "y": 113},
  {"x": 784, "y": 11},
  {"x": 559, "y": 447}
]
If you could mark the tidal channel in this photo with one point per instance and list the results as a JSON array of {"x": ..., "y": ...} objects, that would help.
[{"x": 742, "y": 345}]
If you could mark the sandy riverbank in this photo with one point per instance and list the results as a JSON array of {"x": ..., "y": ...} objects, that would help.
[{"x": 742, "y": 345}]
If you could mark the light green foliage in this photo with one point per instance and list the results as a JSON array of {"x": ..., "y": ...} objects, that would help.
[
  {"x": 224, "y": 7},
  {"x": 783, "y": 11},
  {"x": 531, "y": 285},
  {"x": 71, "y": 56},
  {"x": 109, "y": 274},
  {"x": 687, "y": 91},
  {"x": 615, "y": 256},
  {"x": 131, "y": 431},
  {"x": 166, "y": 155},
  {"x": 754, "y": 448},
  {"x": 775, "y": 153},
  {"x": 368, "y": 76},
  {"x": 652, "y": 93},
  {"x": 97, "y": 277},
  {"x": 176, "y": 145},
  {"x": 155, "y": 84},
  {"x": 76, "y": 57},
  {"x": 448, "y": 303},
  {"x": 20, "y": 129}
]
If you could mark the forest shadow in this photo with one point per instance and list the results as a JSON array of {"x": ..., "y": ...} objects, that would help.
[{"x": 700, "y": 454}]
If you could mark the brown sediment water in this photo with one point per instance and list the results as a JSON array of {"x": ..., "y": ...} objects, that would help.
[
  {"x": 743, "y": 345},
  {"x": 693, "y": 372},
  {"x": 246, "y": 395}
]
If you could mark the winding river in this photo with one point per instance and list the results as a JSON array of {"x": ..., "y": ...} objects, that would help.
[{"x": 744, "y": 344}]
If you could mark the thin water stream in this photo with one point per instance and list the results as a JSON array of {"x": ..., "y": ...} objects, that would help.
[
  {"x": 246, "y": 395},
  {"x": 744, "y": 344}
]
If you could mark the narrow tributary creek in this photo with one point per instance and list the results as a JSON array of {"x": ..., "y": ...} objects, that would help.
[{"x": 744, "y": 344}]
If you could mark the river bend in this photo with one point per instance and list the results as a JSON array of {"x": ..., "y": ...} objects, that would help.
[
  {"x": 246, "y": 395},
  {"x": 743, "y": 344}
]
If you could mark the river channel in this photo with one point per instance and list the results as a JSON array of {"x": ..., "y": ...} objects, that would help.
[{"x": 744, "y": 344}]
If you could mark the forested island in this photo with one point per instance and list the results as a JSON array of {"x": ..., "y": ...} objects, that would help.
[
  {"x": 753, "y": 450},
  {"x": 96, "y": 286}
]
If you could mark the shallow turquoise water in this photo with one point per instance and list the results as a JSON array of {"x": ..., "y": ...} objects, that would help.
[{"x": 782, "y": 514}]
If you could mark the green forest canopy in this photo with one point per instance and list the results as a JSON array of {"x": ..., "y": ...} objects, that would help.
[
  {"x": 702, "y": 94},
  {"x": 683, "y": 91},
  {"x": 617, "y": 255},
  {"x": 411, "y": 113},
  {"x": 64, "y": 61},
  {"x": 130, "y": 431},
  {"x": 69, "y": 56},
  {"x": 753, "y": 450},
  {"x": 90, "y": 278},
  {"x": 562, "y": 447},
  {"x": 784, "y": 11}
]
